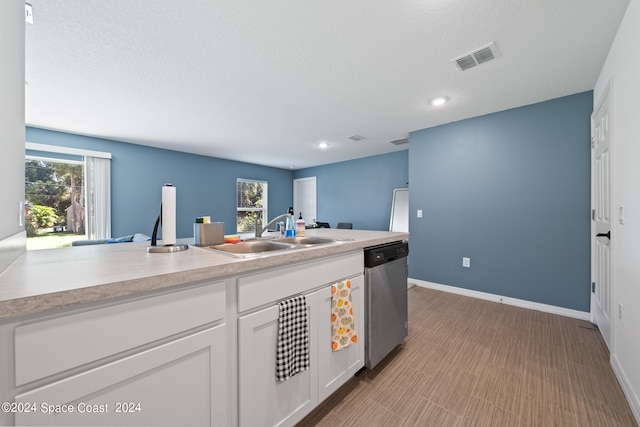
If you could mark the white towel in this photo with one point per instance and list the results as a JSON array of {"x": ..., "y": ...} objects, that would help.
[{"x": 292, "y": 354}]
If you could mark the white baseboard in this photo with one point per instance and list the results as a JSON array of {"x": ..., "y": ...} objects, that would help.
[
  {"x": 582, "y": 315},
  {"x": 629, "y": 393}
]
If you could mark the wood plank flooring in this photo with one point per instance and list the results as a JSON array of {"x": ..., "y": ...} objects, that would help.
[{"x": 470, "y": 362}]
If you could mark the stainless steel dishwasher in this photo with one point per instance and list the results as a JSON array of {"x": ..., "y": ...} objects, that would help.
[{"x": 386, "y": 275}]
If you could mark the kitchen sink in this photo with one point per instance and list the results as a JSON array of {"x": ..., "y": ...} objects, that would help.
[
  {"x": 307, "y": 241},
  {"x": 258, "y": 247},
  {"x": 252, "y": 247}
]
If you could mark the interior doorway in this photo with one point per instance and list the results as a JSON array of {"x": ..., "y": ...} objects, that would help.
[{"x": 304, "y": 199}]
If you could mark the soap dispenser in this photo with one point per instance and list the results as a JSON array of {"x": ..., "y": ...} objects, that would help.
[
  {"x": 300, "y": 226},
  {"x": 291, "y": 224}
]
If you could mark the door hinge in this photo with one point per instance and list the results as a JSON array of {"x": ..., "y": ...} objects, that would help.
[
  {"x": 593, "y": 214},
  {"x": 593, "y": 287},
  {"x": 593, "y": 142}
]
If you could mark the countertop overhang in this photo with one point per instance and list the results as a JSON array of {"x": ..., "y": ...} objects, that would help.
[{"x": 50, "y": 279}]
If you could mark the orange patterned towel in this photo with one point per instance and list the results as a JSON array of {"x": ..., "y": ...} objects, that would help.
[{"x": 343, "y": 328}]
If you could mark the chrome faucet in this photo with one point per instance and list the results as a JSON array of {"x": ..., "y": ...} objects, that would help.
[{"x": 261, "y": 230}]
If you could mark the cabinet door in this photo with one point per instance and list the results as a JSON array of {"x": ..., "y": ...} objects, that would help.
[
  {"x": 182, "y": 382},
  {"x": 264, "y": 401},
  {"x": 337, "y": 367},
  {"x": 54, "y": 345}
]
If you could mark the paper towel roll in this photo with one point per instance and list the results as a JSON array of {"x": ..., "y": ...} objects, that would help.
[{"x": 168, "y": 214}]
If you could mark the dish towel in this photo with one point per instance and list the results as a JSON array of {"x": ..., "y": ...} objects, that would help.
[
  {"x": 292, "y": 354},
  {"x": 343, "y": 327}
]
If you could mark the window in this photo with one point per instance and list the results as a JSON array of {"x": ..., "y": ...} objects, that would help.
[
  {"x": 68, "y": 195},
  {"x": 251, "y": 202},
  {"x": 54, "y": 193}
]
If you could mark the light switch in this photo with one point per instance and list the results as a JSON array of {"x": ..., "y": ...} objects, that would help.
[
  {"x": 466, "y": 262},
  {"x": 621, "y": 214},
  {"x": 419, "y": 213},
  {"x": 28, "y": 13}
]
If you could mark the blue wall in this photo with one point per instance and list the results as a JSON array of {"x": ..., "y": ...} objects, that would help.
[
  {"x": 205, "y": 185},
  {"x": 510, "y": 190},
  {"x": 359, "y": 191}
]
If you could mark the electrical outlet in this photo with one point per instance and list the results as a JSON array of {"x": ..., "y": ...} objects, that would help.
[
  {"x": 419, "y": 213},
  {"x": 620, "y": 312},
  {"x": 466, "y": 262}
]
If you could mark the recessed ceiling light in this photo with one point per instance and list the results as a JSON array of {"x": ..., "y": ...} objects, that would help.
[
  {"x": 441, "y": 100},
  {"x": 323, "y": 145}
]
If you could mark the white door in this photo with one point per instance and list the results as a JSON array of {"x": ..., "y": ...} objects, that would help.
[
  {"x": 304, "y": 199},
  {"x": 601, "y": 217}
]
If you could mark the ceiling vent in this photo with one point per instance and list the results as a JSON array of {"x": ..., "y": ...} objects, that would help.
[
  {"x": 480, "y": 56},
  {"x": 399, "y": 141}
]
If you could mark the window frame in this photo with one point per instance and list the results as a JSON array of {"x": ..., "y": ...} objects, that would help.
[{"x": 265, "y": 201}]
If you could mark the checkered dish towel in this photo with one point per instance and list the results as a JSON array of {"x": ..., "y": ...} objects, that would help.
[{"x": 292, "y": 354}]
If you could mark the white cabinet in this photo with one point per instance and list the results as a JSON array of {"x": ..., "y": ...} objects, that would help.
[
  {"x": 182, "y": 382},
  {"x": 203, "y": 354},
  {"x": 264, "y": 401},
  {"x": 154, "y": 360},
  {"x": 336, "y": 367}
]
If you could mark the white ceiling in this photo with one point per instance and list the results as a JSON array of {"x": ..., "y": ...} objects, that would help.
[{"x": 265, "y": 81}]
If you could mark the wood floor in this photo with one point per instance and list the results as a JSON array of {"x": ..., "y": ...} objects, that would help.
[{"x": 470, "y": 362}]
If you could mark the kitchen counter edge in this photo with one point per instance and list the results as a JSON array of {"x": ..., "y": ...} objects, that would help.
[{"x": 41, "y": 281}]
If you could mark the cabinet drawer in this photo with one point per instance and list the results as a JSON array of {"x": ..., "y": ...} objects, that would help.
[
  {"x": 54, "y": 345},
  {"x": 273, "y": 285}
]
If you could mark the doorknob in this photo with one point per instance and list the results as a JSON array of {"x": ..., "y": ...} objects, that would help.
[{"x": 607, "y": 235}]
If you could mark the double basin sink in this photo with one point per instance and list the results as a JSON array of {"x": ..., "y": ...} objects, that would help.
[{"x": 258, "y": 247}]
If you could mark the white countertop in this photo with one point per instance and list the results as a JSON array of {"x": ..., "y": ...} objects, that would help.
[{"x": 49, "y": 279}]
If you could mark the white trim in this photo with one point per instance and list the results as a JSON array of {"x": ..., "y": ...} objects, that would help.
[
  {"x": 54, "y": 160},
  {"x": 66, "y": 150},
  {"x": 582, "y": 315},
  {"x": 627, "y": 388}
]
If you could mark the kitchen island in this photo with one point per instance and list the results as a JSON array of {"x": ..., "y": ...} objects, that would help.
[{"x": 179, "y": 338}]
